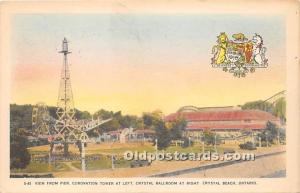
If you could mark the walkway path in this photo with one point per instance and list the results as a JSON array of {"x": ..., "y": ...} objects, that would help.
[
  {"x": 250, "y": 169},
  {"x": 69, "y": 164}
]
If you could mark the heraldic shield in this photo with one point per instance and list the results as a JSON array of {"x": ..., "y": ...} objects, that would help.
[{"x": 240, "y": 55}]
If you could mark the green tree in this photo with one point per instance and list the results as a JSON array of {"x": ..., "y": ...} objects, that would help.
[
  {"x": 280, "y": 109},
  {"x": 282, "y": 134},
  {"x": 82, "y": 114},
  {"x": 20, "y": 116},
  {"x": 163, "y": 135},
  {"x": 104, "y": 114},
  {"x": 270, "y": 133},
  {"x": 259, "y": 105},
  {"x": 19, "y": 155},
  {"x": 128, "y": 121},
  {"x": 151, "y": 120},
  {"x": 139, "y": 123},
  {"x": 209, "y": 137},
  {"x": 148, "y": 120},
  {"x": 112, "y": 125},
  {"x": 52, "y": 111},
  {"x": 177, "y": 128}
]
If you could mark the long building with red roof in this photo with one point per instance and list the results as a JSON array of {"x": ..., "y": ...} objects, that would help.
[{"x": 225, "y": 121}]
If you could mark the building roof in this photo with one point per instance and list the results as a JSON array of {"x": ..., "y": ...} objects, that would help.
[
  {"x": 114, "y": 132},
  {"x": 233, "y": 115},
  {"x": 224, "y": 126},
  {"x": 145, "y": 131},
  {"x": 191, "y": 108}
]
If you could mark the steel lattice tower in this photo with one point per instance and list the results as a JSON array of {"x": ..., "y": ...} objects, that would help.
[
  {"x": 65, "y": 103},
  {"x": 65, "y": 128}
]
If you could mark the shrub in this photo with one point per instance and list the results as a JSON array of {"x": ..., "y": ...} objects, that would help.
[
  {"x": 186, "y": 142},
  {"x": 248, "y": 145}
]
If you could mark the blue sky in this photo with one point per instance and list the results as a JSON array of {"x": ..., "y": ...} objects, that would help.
[
  {"x": 118, "y": 59},
  {"x": 135, "y": 32}
]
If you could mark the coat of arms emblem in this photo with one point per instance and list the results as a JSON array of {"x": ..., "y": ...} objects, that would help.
[{"x": 240, "y": 55}]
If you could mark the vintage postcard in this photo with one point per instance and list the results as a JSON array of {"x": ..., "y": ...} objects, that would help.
[{"x": 149, "y": 96}]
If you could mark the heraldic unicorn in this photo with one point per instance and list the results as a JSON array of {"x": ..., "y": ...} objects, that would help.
[{"x": 240, "y": 55}]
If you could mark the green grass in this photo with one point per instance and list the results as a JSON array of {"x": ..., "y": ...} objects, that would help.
[
  {"x": 38, "y": 152},
  {"x": 76, "y": 164},
  {"x": 37, "y": 167},
  {"x": 103, "y": 163},
  {"x": 122, "y": 150},
  {"x": 121, "y": 163},
  {"x": 193, "y": 149}
]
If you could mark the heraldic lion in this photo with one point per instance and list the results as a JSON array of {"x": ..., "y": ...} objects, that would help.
[{"x": 219, "y": 50}]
